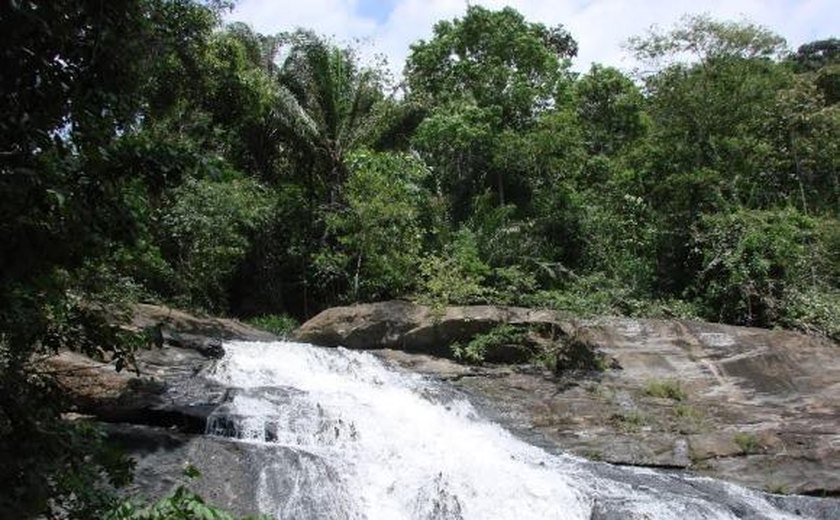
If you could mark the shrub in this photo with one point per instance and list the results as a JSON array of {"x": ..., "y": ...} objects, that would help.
[
  {"x": 813, "y": 310},
  {"x": 278, "y": 324},
  {"x": 478, "y": 347},
  {"x": 750, "y": 258},
  {"x": 460, "y": 276},
  {"x": 666, "y": 390},
  {"x": 747, "y": 442},
  {"x": 455, "y": 277},
  {"x": 182, "y": 504},
  {"x": 597, "y": 295},
  {"x": 688, "y": 419},
  {"x": 629, "y": 422},
  {"x": 584, "y": 296}
]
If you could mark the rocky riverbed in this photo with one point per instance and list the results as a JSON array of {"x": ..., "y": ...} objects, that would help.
[{"x": 751, "y": 406}]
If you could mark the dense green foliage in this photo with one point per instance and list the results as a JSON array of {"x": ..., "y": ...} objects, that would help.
[
  {"x": 69, "y": 99},
  {"x": 149, "y": 153},
  {"x": 182, "y": 504}
]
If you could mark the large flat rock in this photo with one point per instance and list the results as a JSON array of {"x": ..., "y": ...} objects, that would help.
[
  {"x": 754, "y": 406},
  {"x": 417, "y": 328}
]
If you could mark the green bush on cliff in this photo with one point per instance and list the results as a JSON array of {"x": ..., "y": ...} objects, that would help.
[
  {"x": 455, "y": 277},
  {"x": 747, "y": 442},
  {"x": 461, "y": 276},
  {"x": 598, "y": 295},
  {"x": 668, "y": 389},
  {"x": 813, "y": 310},
  {"x": 476, "y": 349},
  {"x": 279, "y": 324},
  {"x": 181, "y": 505}
]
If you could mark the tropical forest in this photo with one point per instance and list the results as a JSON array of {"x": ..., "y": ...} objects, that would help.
[{"x": 157, "y": 153}]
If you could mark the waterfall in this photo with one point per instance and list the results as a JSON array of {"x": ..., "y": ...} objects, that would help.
[{"x": 373, "y": 442}]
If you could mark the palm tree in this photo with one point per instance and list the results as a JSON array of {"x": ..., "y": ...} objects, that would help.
[{"x": 326, "y": 106}]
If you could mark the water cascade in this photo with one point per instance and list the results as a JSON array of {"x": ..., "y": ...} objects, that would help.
[{"x": 369, "y": 441}]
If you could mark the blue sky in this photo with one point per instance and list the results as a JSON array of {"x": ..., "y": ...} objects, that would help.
[
  {"x": 600, "y": 26},
  {"x": 377, "y": 10}
]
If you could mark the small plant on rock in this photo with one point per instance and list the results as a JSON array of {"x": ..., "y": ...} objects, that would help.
[
  {"x": 669, "y": 389},
  {"x": 688, "y": 418},
  {"x": 747, "y": 442},
  {"x": 475, "y": 351},
  {"x": 182, "y": 504},
  {"x": 629, "y": 422},
  {"x": 778, "y": 489}
]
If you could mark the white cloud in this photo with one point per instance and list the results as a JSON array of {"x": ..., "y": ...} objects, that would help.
[
  {"x": 600, "y": 26},
  {"x": 325, "y": 16}
]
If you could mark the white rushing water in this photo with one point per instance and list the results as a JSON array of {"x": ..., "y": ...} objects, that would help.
[{"x": 387, "y": 444}]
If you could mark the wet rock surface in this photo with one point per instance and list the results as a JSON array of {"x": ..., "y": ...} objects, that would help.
[
  {"x": 168, "y": 387},
  {"x": 233, "y": 474},
  {"x": 158, "y": 413},
  {"x": 758, "y": 407},
  {"x": 752, "y": 406}
]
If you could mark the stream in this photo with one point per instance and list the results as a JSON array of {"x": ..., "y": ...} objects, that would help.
[{"x": 375, "y": 442}]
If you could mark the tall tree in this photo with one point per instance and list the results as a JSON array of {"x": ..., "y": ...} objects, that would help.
[
  {"x": 610, "y": 107},
  {"x": 74, "y": 83},
  {"x": 497, "y": 60},
  {"x": 815, "y": 55},
  {"x": 709, "y": 100},
  {"x": 717, "y": 83},
  {"x": 481, "y": 75},
  {"x": 327, "y": 106}
]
